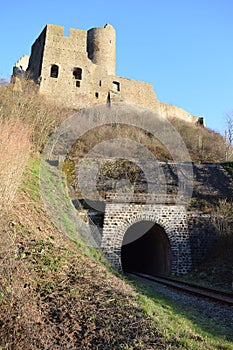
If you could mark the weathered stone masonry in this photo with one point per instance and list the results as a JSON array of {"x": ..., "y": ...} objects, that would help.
[
  {"x": 119, "y": 217},
  {"x": 190, "y": 232},
  {"x": 79, "y": 70},
  {"x": 186, "y": 232}
]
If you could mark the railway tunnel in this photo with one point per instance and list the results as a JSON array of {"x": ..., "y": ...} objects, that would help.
[{"x": 146, "y": 249}]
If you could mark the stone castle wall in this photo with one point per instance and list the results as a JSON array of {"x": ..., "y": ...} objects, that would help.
[
  {"x": 86, "y": 71},
  {"x": 22, "y": 63},
  {"x": 169, "y": 111}
]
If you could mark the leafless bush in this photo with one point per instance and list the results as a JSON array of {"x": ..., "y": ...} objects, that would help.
[
  {"x": 14, "y": 150},
  {"x": 26, "y": 120},
  {"x": 222, "y": 218},
  {"x": 117, "y": 132},
  {"x": 31, "y": 108},
  {"x": 203, "y": 144}
]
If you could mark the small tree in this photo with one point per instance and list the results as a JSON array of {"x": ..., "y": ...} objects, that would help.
[
  {"x": 222, "y": 218},
  {"x": 229, "y": 137}
]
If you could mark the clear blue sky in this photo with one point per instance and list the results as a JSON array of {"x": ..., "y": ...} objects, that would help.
[{"x": 183, "y": 47}]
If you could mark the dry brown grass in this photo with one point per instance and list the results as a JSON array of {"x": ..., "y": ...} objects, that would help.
[
  {"x": 52, "y": 296},
  {"x": 25, "y": 123},
  {"x": 203, "y": 144},
  {"x": 33, "y": 110},
  {"x": 15, "y": 148},
  {"x": 115, "y": 131}
]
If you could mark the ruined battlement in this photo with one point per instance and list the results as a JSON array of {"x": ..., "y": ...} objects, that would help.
[{"x": 79, "y": 70}]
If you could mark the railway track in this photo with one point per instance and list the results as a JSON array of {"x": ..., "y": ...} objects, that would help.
[{"x": 207, "y": 293}]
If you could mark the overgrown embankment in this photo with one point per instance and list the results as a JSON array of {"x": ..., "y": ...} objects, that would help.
[
  {"x": 54, "y": 296},
  {"x": 217, "y": 271},
  {"x": 203, "y": 144},
  {"x": 57, "y": 294}
]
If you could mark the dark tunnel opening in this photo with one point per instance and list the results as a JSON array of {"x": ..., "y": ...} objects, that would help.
[{"x": 146, "y": 249}]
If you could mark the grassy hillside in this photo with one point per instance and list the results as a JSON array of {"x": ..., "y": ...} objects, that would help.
[
  {"x": 203, "y": 144},
  {"x": 55, "y": 294}
]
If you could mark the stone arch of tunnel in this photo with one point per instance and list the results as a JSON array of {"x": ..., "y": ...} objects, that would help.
[
  {"x": 146, "y": 249},
  {"x": 119, "y": 217}
]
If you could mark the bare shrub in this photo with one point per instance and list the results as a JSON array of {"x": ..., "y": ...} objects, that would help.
[
  {"x": 229, "y": 137},
  {"x": 26, "y": 120},
  {"x": 32, "y": 108},
  {"x": 203, "y": 144},
  {"x": 117, "y": 131},
  {"x": 14, "y": 150},
  {"x": 222, "y": 218}
]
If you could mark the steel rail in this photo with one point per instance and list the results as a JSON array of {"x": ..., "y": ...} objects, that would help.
[{"x": 208, "y": 293}]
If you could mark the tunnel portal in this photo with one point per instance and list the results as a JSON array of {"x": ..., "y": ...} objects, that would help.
[
  {"x": 146, "y": 249},
  {"x": 162, "y": 248}
]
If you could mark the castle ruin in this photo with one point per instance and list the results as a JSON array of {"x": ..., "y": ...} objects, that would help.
[{"x": 79, "y": 70}]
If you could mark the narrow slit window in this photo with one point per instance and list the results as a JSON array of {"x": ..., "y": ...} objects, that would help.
[
  {"x": 77, "y": 73},
  {"x": 116, "y": 85},
  {"x": 54, "y": 71},
  {"x": 97, "y": 95},
  {"x": 78, "y": 83},
  {"x": 100, "y": 83}
]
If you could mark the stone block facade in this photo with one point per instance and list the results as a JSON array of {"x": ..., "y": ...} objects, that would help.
[
  {"x": 190, "y": 235},
  {"x": 119, "y": 217},
  {"x": 202, "y": 236},
  {"x": 190, "y": 232}
]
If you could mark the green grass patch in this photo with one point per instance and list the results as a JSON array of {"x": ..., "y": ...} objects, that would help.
[
  {"x": 30, "y": 183},
  {"x": 50, "y": 183},
  {"x": 181, "y": 325}
]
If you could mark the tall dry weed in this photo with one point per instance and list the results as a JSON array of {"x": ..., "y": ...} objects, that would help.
[
  {"x": 203, "y": 144},
  {"x": 15, "y": 148},
  {"x": 222, "y": 219},
  {"x": 26, "y": 120},
  {"x": 32, "y": 108}
]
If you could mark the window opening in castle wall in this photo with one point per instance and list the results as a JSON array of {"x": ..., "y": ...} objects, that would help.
[
  {"x": 78, "y": 83},
  {"x": 77, "y": 73},
  {"x": 116, "y": 85},
  {"x": 54, "y": 71}
]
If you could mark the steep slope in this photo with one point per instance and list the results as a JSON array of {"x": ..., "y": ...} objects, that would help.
[
  {"x": 55, "y": 293},
  {"x": 52, "y": 296}
]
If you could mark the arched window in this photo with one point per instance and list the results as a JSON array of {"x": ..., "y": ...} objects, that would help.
[
  {"x": 54, "y": 71},
  {"x": 77, "y": 73}
]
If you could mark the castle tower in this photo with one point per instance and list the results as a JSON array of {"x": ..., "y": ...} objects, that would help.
[{"x": 101, "y": 47}]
